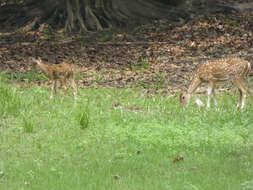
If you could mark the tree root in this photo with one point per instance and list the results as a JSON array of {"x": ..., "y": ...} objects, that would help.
[{"x": 84, "y": 15}]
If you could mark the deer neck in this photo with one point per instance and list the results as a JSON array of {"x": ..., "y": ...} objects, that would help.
[
  {"x": 43, "y": 67},
  {"x": 193, "y": 86}
]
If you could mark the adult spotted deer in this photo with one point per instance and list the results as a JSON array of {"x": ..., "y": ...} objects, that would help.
[
  {"x": 63, "y": 71},
  {"x": 210, "y": 72}
]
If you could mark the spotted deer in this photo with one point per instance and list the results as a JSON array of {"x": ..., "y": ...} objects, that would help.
[
  {"x": 210, "y": 72},
  {"x": 63, "y": 71}
]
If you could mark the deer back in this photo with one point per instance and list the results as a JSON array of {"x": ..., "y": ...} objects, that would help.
[
  {"x": 62, "y": 70},
  {"x": 223, "y": 69}
]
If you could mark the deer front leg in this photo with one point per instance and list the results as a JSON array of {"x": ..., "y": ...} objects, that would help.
[
  {"x": 65, "y": 87},
  {"x": 74, "y": 86},
  {"x": 53, "y": 88},
  {"x": 209, "y": 93}
]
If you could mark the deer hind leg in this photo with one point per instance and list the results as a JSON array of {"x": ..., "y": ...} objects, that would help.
[
  {"x": 240, "y": 99},
  {"x": 243, "y": 92},
  {"x": 214, "y": 96},
  {"x": 53, "y": 88},
  {"x": 210, "y": 91}
]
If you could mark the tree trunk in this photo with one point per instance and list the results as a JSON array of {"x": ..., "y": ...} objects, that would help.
[
  {"x": 98, "y": 14},
  {"x": 84, "y": 15}
]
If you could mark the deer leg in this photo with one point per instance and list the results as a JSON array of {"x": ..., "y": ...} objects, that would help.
[
  {"x": 209, "y": 93},
  {"x": 214, "y": 96},
  {"x": 74, "y": 86},
  {"x": 240, "y": 98},
  {"x": 243, "y": 92},
  {"x": 65, "y": 87},
  {"x": 53, "y": 88}
]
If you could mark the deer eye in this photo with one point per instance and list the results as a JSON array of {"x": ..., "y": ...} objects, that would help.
[{"x": 183, "y": 97}]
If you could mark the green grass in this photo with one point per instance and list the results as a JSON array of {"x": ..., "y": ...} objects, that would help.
[
  {"x": 25, "y": 77},
  {"x": 121, "y": 139}
]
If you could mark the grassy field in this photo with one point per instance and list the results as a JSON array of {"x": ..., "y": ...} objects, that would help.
[{"x": 121, "y": 139}]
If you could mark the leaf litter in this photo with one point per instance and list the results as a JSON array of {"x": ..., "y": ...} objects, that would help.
[{"x": 159, "y": 57}]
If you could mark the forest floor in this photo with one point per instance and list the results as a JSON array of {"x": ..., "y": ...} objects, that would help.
[{"x": 159, "y": 56}]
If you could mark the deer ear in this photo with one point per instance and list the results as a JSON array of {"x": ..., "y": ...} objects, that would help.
[
  {"x": 40, "y": 60},
  {"x": 73, "y": 59},
  {"x": 32, "y": 59}
]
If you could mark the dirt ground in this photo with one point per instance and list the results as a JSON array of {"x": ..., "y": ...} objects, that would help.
[{"x": 159, "y": 56}]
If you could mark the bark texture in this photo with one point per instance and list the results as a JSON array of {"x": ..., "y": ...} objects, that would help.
[{"x": 84, "y": 15}]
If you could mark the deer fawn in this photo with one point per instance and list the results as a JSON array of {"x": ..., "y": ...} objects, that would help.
[
  {"x": 64, "y": 72},
  {"x": 210, "y": 72}
]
